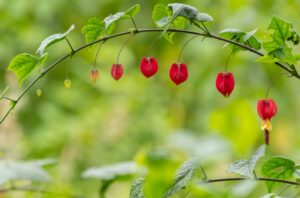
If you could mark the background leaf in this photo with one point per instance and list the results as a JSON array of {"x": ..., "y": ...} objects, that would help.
[
  {"x": 278, "y": 168},
  {"x": 31, "y": 171},
  {"x": 111, "y": 172},
  {"x": 183, "y": 176},
  {"x": 53, "y": 39},
  {"x": 246, "y": 167},
  {"x": 137, "y": 189}
]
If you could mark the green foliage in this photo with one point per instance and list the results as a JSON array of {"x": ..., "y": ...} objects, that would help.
[
  {"x": 280, "y": 32},
  {"x": 24, "y": 64},
  {"x": 246, "y": 167},
  {"x": 111, "y": 20},
  {"x": 137, "y": 189},
  {"x": 189, "y": 12},
  {"x": 160, "y": 15},
  {"x": 93, "y": 29},
  {"x": 30, "y": 171},
  {"x": 278, "y": 168},
  {"x": 96, "y": 28},
  {"x": 111, "y": 172},
  {"x": 183, "y": 176},
  {"x": 246, "y": 38},
  {"x": 176, "y": 15},
  {"x": 50, "y": 40},
  {"x": 134, "y": 10}
]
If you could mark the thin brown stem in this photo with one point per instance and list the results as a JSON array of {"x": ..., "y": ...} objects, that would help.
[
  {"x": 97, "y": 53},
  {"x": 71, "y": 47},
  {"x": 185, "y": 44},
  {"x": 272, "y": 82},
  {"x": 229, "y": 56},
  {"x": 151, "y": 44},
  {"x": 124, "y": 44},
  {"x": 257, "y": 179},
  {"x": 133, "y": 22}
]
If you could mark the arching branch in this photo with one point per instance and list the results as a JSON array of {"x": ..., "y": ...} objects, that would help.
[{"x": 136, "y": 31}]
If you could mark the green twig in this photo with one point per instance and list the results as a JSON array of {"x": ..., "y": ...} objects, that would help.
[
  {"x": 72, "y": 49},
  {"x": 257, "y": 179}
]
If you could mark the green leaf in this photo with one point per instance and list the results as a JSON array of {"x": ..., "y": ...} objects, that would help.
[
  {"x": 110, "y": 21},
  {"x": 231, "y": 33},
  {"x": 176, "y": 15},
  {"x": 267, "y": 59},
  {"x": 189, "y": 12},
  {"x": 137, "y": 189},
  {"x": 183, "y": 176},
  {"x": 245, "y": 38},
  {"x": 93, "y": 29},
  {"x": 160, "y": 15},
  {"x": 53, "y": 39},
  {"x": 278, "y": 168},
  {"x": 24, "y": 64},
  {"x": 281, "y": 30},
  {"x": 246, "y": 167},
  {"x": 30, "y": 171},
  {"x": 111, "y": 172},
  {"x": 133, "y": 10}
]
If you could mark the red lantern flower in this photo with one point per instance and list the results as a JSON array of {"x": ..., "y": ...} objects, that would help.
[
  {"x": 178, "y": 73},
  {"x": 225, "y": 83},
  {"x": 117, "y": 71},
  {"x": 266, "y": 109},
  {"x": 149, "y": 66}
]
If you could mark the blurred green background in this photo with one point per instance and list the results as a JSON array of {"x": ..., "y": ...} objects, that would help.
[{"x": 150, "y": 121}]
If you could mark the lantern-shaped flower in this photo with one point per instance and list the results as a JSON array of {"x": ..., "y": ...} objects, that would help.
[
  {"x": 149, "y": 66},
  {"x": 225, "y": 83},
  {"x": 178, "y": 73},
  {"x": 266, "y": 109},
  {"x": 117, "y": 71}
]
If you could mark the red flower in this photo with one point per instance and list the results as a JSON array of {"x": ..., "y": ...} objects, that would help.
[
  {"x": 178, "y": 73},
  {"x": 117, "y": 71},
  {"x": 94, "y": 75},
  {"x": 149, "y": 66},
  {"x": 266, "y": 109},
  {"x": 225, "y": 83}
]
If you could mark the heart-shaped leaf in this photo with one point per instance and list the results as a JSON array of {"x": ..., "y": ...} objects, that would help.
[
  {"x": 278, "y": 168},
  {"x": 133, "y": 10},
  {"x": 24, "y": 64},
  {"x": 50, "y": 40},
  {"x": 93, "y": 29},
  {"x": 246, "y": 167},
  {"x": 160, "y": 15}
]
